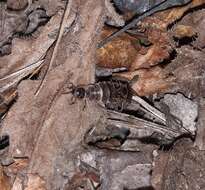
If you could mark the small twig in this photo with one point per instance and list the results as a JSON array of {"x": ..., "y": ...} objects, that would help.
[{"x": 59, "y": 37}]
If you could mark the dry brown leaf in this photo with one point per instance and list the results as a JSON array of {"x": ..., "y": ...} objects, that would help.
[
  {"x": 4, "y": 181},
  {"x": 157, "y": 35},
  {"x": 18, "y": 184},
  {"x": 195, "y": 20},
  {"x": 18, "y": 165},
  {"x": 126, "y": 51},
  {"x": 182, "y": 31},
  {"x": 17, "y": 4},
  {"x": 182, "y": 74},
  {"x": 178, "y": 12},
  {"x": 159, "y": 166},
  {"x": 27, "y": 52},
  {"x": 149, "y": 81},
  {"x": 164, "y": 18},
  {"x": 35, "y": 182},
  {"x": 51, "y": 6},
  {"x": 85, "y": 179},
  {"x": 159, "y": 51},
  {"x": 120, "y": 52},
  {"x": 6, "y": 98}
]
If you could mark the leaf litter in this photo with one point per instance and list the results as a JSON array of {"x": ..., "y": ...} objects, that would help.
[{"x": 153, "y": 141}]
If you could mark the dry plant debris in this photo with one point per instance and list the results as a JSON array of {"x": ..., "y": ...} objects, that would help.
[{"x": 127, "y": 114}]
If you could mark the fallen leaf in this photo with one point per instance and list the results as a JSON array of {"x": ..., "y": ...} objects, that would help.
[
  {"x": 18, "y": 184},
  {"x": 35, "y": 182},
  {"x": 26, "y": 53},
  {"x": 165, "y": 18},
  {"x": 6, "y": 99},
  {"x": 4, "y": 180},
  {"x": 149, "y": 81},
  {"x": 17, "y": 4},
  {"x": 18, "y": 165},
  {"x": 120, "y": 52},
  {"x": 182, "y": 31}
]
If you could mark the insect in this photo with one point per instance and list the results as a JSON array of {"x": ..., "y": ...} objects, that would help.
[
  {"x": 117, "y": 95},
  {"x": 112, "y": 94}
]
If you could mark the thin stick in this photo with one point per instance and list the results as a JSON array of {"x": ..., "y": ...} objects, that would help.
[{"x": 59, "y": 37}]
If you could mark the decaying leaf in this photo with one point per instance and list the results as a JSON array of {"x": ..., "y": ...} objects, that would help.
[
  {"x": 126, "y": 51},
  {"x": 157, "y": 35},
  {"x": 121, "y": 52},
  {"x": 113, "y": 18},
  {"x": 52, "y": 138},
  {"x": 6, "y": 99},
  {"x": 200, "y": 140},
  {"x": 58, "y": 143},
  {"x": 183, "y": 108},
  {"x": 18, "y": 184},
  {"x": 186, "y": 164},
  {"x": 156, "y": 53},
  {"x": 17, "y": 4},
  {"x": 149, "y": 81},
  {"x": 165, "y": 18},
  {"x": 17, "y": 166},
  {"x": 52, "y": 6},
  {"x": 158, "y": 169},
  {"x": 182, "y": 31},
  {"x": 195, "y": 22},
  {"x": 136, "y": 7},
  {"x": 27, "y": 53},
  {"x": 86, "y": 177},
  {"x": 188, "y": 70},
  {"x": 22, "y": 23},
  {"x": 35, "y": 182},
  {"x": 120, "y": 170},
  {"x": 4, "y": 180}
]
